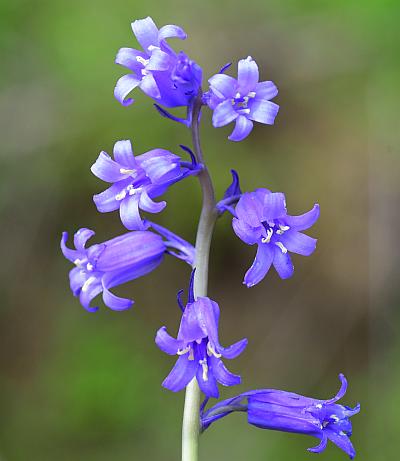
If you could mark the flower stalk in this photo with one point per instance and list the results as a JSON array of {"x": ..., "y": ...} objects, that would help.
[{"x": 208, "y": 217}]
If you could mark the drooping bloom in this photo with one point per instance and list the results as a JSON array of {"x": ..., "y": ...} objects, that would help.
[
  {"x": 242, "y": 100},
  {"x": 261, "y": 218},
  {"x": 137, "y": 180},
  {"x": 117, "y": 261},
  {"x": 199, "y": 349},
  {"x": 289, "y": 412},
  {"x": 169, "y": 78}
]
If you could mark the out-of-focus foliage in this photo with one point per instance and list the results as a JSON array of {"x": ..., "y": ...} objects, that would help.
[{"x": 79, "y": 386}]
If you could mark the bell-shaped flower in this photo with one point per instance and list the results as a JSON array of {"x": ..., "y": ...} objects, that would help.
[
  {"x": 262, "y": 219},
  {"x": 243, "y": 100},
  {"x": 169, "y": 78},
  {"x": 198, "y": 348},
  {"x": 137, "y": 180},
  {"x": 289, "y": 412},
  {"x": 103, "y": 266}
]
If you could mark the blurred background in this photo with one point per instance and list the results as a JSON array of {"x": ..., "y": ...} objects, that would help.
[{"x": 86, "y": 387}]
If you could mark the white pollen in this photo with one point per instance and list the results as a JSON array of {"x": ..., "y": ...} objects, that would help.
[
  {"x": 237, "y": 96},
  {"x": 183, "y": 351},
  {"x": 126, "y": 171},
  {"x": 153, "y": 47},
  {"x": 281, "y": 246},
  {"x": 284, "y": 228},
  {"x": 318, "y": 405},
  {"x": 191, "y": 355},
  {"x": 211, "y": 351},
  {"x": 121, "y": 195},
  {"x": 142, "y": 61},
  {"x": 252, "y": 94},
  {"x": 88, "y": 282},
  {"x": 267, "y": 239},
  {"x": 89, "y": 267},
  {"x": 78, "y": 262}
]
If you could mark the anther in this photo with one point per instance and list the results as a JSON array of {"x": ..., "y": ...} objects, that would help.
[
  {"x": 281, "y": 246},
  {"x": 88, "y": 282}
]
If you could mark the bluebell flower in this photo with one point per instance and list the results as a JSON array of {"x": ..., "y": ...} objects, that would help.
[
  {"x": 242, "y": 100},
  {"x": 136, "y": 181},
  {"x": 288, "y": 412},
  {"x": 170, "y": 78},
  {"x": 198, "y": 348},
  {"x": 261, "y": 218},
  {"x": 119, "y": 260}
]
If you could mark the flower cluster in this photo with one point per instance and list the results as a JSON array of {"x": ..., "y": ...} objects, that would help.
[{"x": 172, "y": 79}]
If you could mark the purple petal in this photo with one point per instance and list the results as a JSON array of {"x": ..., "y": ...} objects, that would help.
[
  {"x": 341, "y": 392},
  {"x": 90, "y": 290},
  {"x": 304, "y": 221},
  {"x": 106, "y": 169},
  {"x": 124, "y": 86},
  {"x": 266, "y": 90},
  {"x": 123, "y": 154},
  {"x": 321, "y": 446},
  {"x": 274, "y": 206},
  {"x": 223, "y": 114},
  {"x": 260, "y": 266},
  {"x": 180, "y": 376},
  {"x": 222, "y": 374},
  {"x": 106, "y": 201},
  {"x": 247, "y": 75},
  {"x": 209, "y": 385},
  {"x": 129, "y": 212},
  {"x": 146, "y": 32},
  {"x": 166, "y": 342},
  {"x": 160, "y": 165},
  {"x": 171, "y": 31},
  {"x": 299, "y": 243},
  {"x": 250, "y": 208},
  {"x": 159, "y": 61},
  {"x": 235, "y": 350},
  {"x": 147, "y": 204},
  {"x": 149, "y": 86},
  {"x": 223, "y": 85},
  {"x": 132, "y": 251},
  {"x": 114, "y": 302},
  {"x": 71, "y": 255},
  {"x": 341, "y": 440},
  {"x": 242, "y": 129},
  {"x": 77, "y": 278},
  {"x": 127, "y": 57},
  {"x": 263, "y": 111},
  {"x": 81, "y": 237},
  {"x": 282, "y": 263},
  {"x": 248, "y": 234}
]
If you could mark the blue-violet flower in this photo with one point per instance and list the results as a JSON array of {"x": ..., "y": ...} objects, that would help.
[
  {"x": 242, "y": 100},
  {"x": 262, "y": 219},
  {"x": 198, "y": 348},
  {"x": 169, "y": 78},
  {"x": 136, "y": 180},
  {"x": 290, "y": 412},
  {"x": 117, "y": 261}
]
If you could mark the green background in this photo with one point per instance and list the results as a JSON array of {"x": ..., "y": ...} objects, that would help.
[{"x": 76, "y": 386}]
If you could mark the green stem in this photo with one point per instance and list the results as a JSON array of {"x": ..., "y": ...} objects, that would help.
[{"x": 208, "y": 216}]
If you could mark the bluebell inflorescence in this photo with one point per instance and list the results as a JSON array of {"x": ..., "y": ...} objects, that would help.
[{"x": 172, "y": 79}]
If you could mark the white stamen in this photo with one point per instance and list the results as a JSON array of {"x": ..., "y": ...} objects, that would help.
[
  {"x": 191, "y": 355},
  {"x": 126, "y": 171},
  {"x": 153, "y": 47},
  {"x": 252, "y": 94},
  {"x": 79, "y": 262},
  {"x": 267, "y": 239},
  {"x": 237, "y": 96},
  {"x": 183, "y": 351},
  {"x": 142, "y": 61},
  {"x": 88, "y": 282},
  {"x": 281, "y": 246},
  {"x": 318, "y": 405},
  {"x": 211, "y": 351},
  {"x": 245, "y": 111},
  {"x": 89, "y": 267},
  {"x": 335, "y": 418},
  {"x": 284, "y": 228},
  {"x": 279, "y": 232},
  {"x": 204, "y": 365},
  {"x": 121, "y": 195},
  {"x": 342, "y": 433}
]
